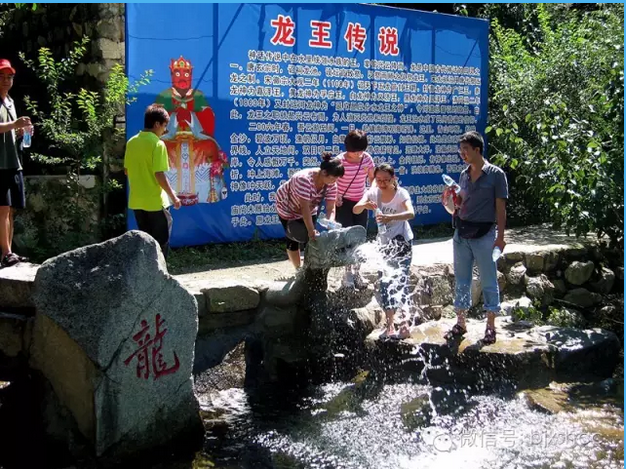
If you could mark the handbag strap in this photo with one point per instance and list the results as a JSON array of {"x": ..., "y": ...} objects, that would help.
[{"x": 355, "y": 175}]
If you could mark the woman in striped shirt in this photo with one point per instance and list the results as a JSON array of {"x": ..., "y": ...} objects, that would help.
[
  {"x": 298, "y": 201},
  {"x": 359, "y": 169}
]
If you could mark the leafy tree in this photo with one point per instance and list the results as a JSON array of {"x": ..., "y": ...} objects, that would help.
[
  {"x": 5, "y": 9},
  {"x": 81, "y": 132},
  {"x": 557, "y": 116}
]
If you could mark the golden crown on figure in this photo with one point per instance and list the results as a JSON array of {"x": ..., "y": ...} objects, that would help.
[{"x": 180, "y": 64}]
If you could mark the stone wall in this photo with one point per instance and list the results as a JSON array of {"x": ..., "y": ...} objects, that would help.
[
  {"x": 578, "y": 277},
  {"x": 577, "y": 280},
  {"x": 48, "y": 226},
  {"x": 41, "y": 230},
  {"x": 57, "y": 26}
]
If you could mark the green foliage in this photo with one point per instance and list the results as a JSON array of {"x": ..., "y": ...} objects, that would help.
[
  {"x": 80, "y": 126},
  {"x": 563, "y": 317},
  {"x": 80, "y": 132},
  {"x": 33, "y": 6},
  {"x": 531, "y": 314},
  {"x": 557, "y": 116}
]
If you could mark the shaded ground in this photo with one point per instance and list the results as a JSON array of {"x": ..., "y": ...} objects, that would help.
[{"x": 426, "y": 252}]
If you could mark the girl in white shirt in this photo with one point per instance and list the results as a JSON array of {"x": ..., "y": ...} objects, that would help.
[{"x": 397, "y": 209}]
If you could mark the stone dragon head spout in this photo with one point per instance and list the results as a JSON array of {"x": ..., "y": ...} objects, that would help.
[{"x": 334, "y": 248}]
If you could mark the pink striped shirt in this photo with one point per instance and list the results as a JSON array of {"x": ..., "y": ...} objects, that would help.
[
  {"x": 355, "y": 190},
  {"x": 301, "y": 186}
]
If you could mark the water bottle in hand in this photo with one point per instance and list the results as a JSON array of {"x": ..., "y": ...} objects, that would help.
[
  {"x": 26, "y": 141},
  {"x": 451, "y": 183},
  {"x": 382, "y": 228},
  {"x": 328, "y": 224},
  {"x": 495, "y": 255}
]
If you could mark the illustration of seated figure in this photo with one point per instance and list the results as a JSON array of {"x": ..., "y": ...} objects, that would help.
[{"x": 195, "y": 156}]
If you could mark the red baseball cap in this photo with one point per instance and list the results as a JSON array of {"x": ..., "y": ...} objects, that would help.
[{"x": 4, "y": 64}]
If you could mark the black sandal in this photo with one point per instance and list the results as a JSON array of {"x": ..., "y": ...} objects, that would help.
[
  {"x": 10, "y": 259},
  {"x": 456, "y": 331},
  {"x": 490, "y": 336}
]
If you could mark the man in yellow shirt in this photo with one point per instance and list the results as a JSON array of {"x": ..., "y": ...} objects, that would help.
[{"x": 145, "y": 163}]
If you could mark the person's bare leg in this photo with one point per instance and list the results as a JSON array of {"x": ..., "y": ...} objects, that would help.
[
  {"x": 5, "y": 230},
  {"x": 490, "y": 330},
  {"x": 294, "y": 257},
  {"x": 404, "y": 332},
  {"x": 359, "y": 281},
  {"x": 11, "y": 225},
  {"x": 460, "y": 326},
  {"x": 460, "y": 318},
  {"x": 390, "y": 328}
]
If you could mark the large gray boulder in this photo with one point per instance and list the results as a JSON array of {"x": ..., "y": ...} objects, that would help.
[
  {"x": 582, "y": 297},
  {"x": 16, "y": 285},
  {"x": 516, "y": 274},
  {"x": 231, "y": 297},
  {"x": 437, "y": 290},
  {"x": 579, "y": 272},
  {"x": 540, "y": 288},
  {"x": 535, "y": 262},
  {"x": 114, "y": 337},
  {"x": 605, "y": 281}
]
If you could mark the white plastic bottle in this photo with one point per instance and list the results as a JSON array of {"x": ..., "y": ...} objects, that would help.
[
  {"x": 27, "y": 139},
  {"x": 495, "y": 255},
  {"x": 326, "y": 223},
  {"x": 448, "y": 181},
  {"x": 382, "y": 228}
]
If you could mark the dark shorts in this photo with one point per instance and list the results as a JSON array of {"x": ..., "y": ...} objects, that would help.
[
  {"x": 12, "y": 192},
  {"x": 394, "y": 284},
  {"x": 347, "y": 218},
  {"x": 158, "y": 225},
  {"x": 296, "y": 233}
]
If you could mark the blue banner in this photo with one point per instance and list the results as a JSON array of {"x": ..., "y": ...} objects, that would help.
[{"x": 257, "y": 92}]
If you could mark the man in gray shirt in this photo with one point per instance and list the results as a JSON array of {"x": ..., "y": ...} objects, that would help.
[
  {"x": 480, "y": 218},
  {"x": 11, "y": 180}
]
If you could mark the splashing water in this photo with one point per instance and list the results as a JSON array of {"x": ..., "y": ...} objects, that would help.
[
  {"x": 413, "y": 426},
  {"x": 387, "y": 259}
]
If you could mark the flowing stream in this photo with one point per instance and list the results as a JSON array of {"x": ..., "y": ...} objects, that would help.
[
  {"x": 406, "y": 425},
  {"x": 374, "y": 423}
]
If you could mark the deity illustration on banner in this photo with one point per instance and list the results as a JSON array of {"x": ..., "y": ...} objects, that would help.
[{"x": 197, "y": 163}]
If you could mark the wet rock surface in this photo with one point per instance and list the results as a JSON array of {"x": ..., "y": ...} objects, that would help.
[{"x": 523, "y": 354}]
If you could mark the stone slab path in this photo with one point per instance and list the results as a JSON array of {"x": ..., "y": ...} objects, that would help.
[
  {"x": 16, "y": 282},
  {"x": 426, "y": 252}
]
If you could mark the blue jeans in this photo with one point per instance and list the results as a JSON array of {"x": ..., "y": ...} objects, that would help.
[{"x": 465, "y": 252}]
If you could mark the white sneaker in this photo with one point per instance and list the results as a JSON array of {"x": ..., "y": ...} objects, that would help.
[{"x": 348, "y": 280}]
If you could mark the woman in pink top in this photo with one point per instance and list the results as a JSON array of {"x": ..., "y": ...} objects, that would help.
[
  {"x": 298, "y": 201},
  {"x": 359, "y": 169}
]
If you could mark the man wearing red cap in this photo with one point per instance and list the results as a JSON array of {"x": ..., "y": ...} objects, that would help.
[{"x": 12, "y": 194}]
